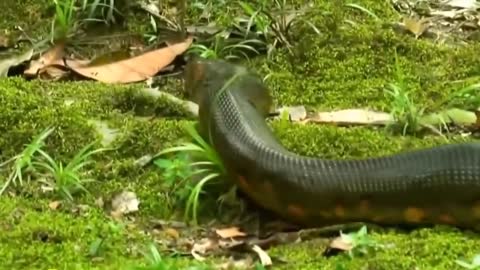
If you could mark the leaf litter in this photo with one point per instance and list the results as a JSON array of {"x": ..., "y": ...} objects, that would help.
[
  {"x": 114, "y": 67},
  {"x": 446, "y": 20}
]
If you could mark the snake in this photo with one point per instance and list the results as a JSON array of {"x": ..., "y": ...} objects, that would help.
[{"x": 424, "y": 186}]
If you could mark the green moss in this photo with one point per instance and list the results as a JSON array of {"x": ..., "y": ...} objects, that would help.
[
  {"x": 353, "y": 142},
  {"x": 358, "y": 63},
  {"x": 435, "y": 248},
  {"x": 31, "y": 15},
  {"x": 343, "y": 67}
]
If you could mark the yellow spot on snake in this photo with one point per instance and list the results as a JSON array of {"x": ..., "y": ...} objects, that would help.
[
  {"x": 296, "y": 211},
  {"x": 378, "y": 218},
  {"x": 325, "y": 214},
  {"x": 476, "y": 210},
  {"x": 267, "y": 194},
  {"x": 268, "y": 188},
  {"x": 243, "y": 183},
  {"x": 446, "y": 218},
  {"x": 363, "y": 206},
  {"x": 339, "y": 211},
  {"x": 413, "y": 214}
]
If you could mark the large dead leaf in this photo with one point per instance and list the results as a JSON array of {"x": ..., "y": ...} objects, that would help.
[
  {"x": 230, "y": 232},
  {"x": 134, "y": 69},
  {"x": 352, "y": 117},
  {"x": 51, "y": 65},
  {"x": 415, "y": 26},
  {"x": 467, "y": 4},
  {"x": 52, "y": 56}
]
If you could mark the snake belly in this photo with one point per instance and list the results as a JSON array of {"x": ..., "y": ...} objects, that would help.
[{"x": 437, "y": 185}]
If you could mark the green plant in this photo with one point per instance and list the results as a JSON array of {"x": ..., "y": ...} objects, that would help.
[
  {"x": 67, "y": 179},
  {"x": 275, "y": 24},
  {"x": 24, "y": 160},
  {"x": 360, "y": 242},
  {"x": 176, "y": 172},
  {"x": 69, "y": 18},
  {"x": 474, "y": 264},
  {"x": 223, "y": 48},
  {"x": 64, "y": 19},
  {"x": 404, "y": 111},
  {"x": 206, "y": 163},
  {"x": 156, "y": 262},
  {"x": 468, "y": 97},
  {"x": 104, "y": 9},
  {"x": 152, "y": 35}
]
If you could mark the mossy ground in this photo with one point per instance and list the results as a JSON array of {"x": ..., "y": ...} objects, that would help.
[{"x": 342, "y": 68}]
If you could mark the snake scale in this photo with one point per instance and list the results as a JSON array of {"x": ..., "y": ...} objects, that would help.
[{"x": 437, "y": 185}]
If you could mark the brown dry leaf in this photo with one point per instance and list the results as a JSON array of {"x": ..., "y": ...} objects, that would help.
[
  {"x": 202, "y": 247},
  {"x": 52, "y": 56},
  {"x": 172, "y": 233},
  {"x": 134, "y": 69},
  {"x": 230, "y": 232},
  {"x": 467, "y": 4},
  {"x": 352, "y": 116},
  {"x": 264, "y": 258},
  {"x": 54, "y": 205},
  {"x": 125, "y": 202},
  {"x": 416, "y": 27},
  {"x": 340, "y": 244},
  {"x": 451, "y": 14}
]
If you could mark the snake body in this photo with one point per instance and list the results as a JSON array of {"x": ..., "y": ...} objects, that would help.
[{"x": 437, "y": 185}]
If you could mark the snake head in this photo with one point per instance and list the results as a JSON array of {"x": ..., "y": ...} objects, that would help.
[
  {"x": 195, "y": 72},
  {"x": 205, "y": 77}
]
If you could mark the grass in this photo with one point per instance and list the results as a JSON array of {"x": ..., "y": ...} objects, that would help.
[
  {"x": 346, "y": 57},
  {"x": 224, "y": 48},
  {"x": 405, "y": 111},
  {"x": 71, "y": 15},
  {"x": 206, "y": 163},
  {"x": 24, "y": 160},
  {"x": 66, "y": 179},
  {"x": 63, "y": 179},
  {"x": 361, "y": 243}
]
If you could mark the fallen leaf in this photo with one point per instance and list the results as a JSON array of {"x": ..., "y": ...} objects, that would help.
[
  {"x": 456, "y": 116},
  {"x": 295, "y": 113},
  {"x": 445, "y": 13},
  {"x": 14, "y": 60},
  {"x": 99, "y": 202},
  {"x": 352, "y": 116},
  {"x": 52, "y": 56},
  {"x": 416, "y": 27},
  {"x": 467, "y": 4},
  {"x": 172, "y": 233},
  {"x": 125, "y": 202},
  {"x": 202, "y": 248},
  {"x": 230, "y": 232},
  {"x": 264, "y": 258},
  {"x": 134, "y": 69},
  {"x": 341, "y": 243},
  {"x": 54, "y": 205},
  {"x": 108, "y": 134}
]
